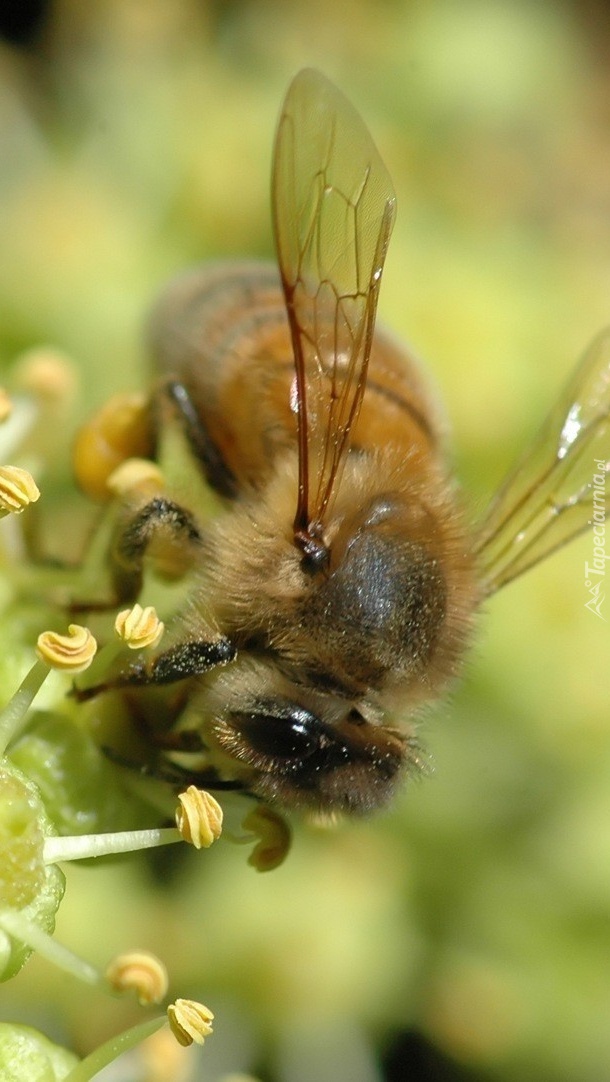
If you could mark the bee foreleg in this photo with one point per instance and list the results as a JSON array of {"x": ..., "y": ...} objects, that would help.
[
  {"x": 187, "y": 659},
  {"x": 180, "y": 662},
  {"x": 159, "y": 519}
]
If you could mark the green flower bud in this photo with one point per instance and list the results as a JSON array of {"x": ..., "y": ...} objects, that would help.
[
  {"x": 81, "y": 788},
  {"x": 28, "y": 1056}
]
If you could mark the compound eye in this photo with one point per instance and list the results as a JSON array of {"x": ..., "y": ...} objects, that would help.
[
  {"x": 292, "y": 757},
  {"x": 288, "y": 733}
]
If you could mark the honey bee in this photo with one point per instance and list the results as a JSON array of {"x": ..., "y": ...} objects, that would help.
[{"x": 336, "y": 591}]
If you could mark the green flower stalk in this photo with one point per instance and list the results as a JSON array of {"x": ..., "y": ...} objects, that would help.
[{"x": 108, "y": 1052}]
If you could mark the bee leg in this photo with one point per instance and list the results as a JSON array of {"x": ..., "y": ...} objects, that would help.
[
  {"x": 218, "y": 474},
  {"x": 180, "y": 662},
  {"x": 183, "y": 661},
  {"x": 162, "y": 517},
  {"x": 159, "y": 518}
]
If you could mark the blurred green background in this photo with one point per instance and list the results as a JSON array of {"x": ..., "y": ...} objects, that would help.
[{"x": 465, "y": 934}]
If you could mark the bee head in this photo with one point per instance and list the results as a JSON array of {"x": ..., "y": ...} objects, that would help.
[{"x": 302, "y": 748}]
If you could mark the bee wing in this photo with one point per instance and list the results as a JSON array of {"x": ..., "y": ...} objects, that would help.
[
  {"x": 556, "y": 491},
  {"x": 333, "y": 211}
]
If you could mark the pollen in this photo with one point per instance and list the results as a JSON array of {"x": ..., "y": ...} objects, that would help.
[
  {"x": 199, "y": 817},
  {"x": 189, "y": 1021},
  {"x": 139, "y": 627},
  {"x": 72, "y": 653},
  {"x": 274, "y": 836},
  {"x": 141, "y": 972},
  {"x": 17, "y": 490}
]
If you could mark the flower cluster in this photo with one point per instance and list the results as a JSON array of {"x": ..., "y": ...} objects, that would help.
[{"x": 44, "y": 756}]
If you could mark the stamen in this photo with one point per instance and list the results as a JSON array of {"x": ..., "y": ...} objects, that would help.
[
  {"x": 47, "y": 374},
  {"x": 117, "y": 432},
  {"x": 17, "y": 490},
  {"x": 139, "y": 627},
  {"x": 101, "y": 1057},
  {"x": 16, "y": 925},
  {"x": 135, "y": 475},
  {"x": 189, "y": 1021},
  {"x": 14, "y": 716},
  {"x": 72, "y": 653},
  {"x": 84, "y": 846},
  {"x": 275, "y": 838},
  {"x": 162, "y": 1059},
  {"x": 199, "y": 817},
  {"x": 139, "y": 971}
]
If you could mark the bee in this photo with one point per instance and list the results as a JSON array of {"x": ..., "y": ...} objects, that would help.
[{"x": 336, "y": 592}]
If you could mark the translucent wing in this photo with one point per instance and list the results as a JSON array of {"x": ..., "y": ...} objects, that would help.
[
  {"x": 557, "y": 489},
  {"x": 333, "y": 210}
]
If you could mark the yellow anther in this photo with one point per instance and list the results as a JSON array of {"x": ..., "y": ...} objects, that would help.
[
  {"x": 162, "y": 1058},
  {"x": 73, "y": 652},
  {"x": 17, "y": 489},
  {"x": 139, "y": 627},
  {"x": 46, "y": 373},
  {"x": 118, "y": 431},
  {"x": 189, "y": 1021},
  {"x": 141, "y": 972},
  {"x": 274, "y": 834},
  {"x": 135, "y": 475},
  {"x": 199, "y": 817}
]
